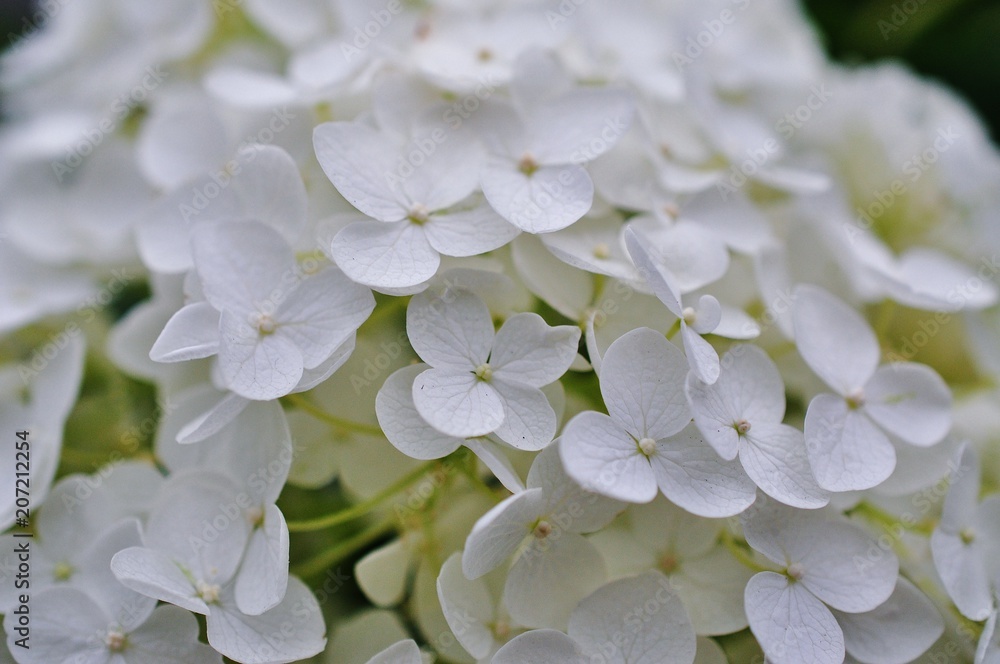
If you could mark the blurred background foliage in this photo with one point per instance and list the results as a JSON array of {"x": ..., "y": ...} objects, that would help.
[{"x": 954, "y": 41}]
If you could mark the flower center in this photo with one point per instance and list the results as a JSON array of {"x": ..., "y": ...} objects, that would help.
[
  {"x": 743, "y": 427},
  {"x": 419, "y": 214},
  {"x": 968, "y": 535},
  {"x": 484, "y": 372},
  {"x": 542, "y": 530},
  {"x": 671, "y": 210},
  {"x": 647, "y": 446},
  {"x": 484, "y": 55},
  {"x": 527, "y": 165},
  {"x": 796, "y": 571},
  {"x": 209, "y": 592},
  {"x": 255, "y": 516},
  {"x": 116, "y": 641},
  {"x": 501, "y": 629},
  {"x": 669, "y": 563},
  {"x": 856, "y": 398},
  {"x": 265, "y": 324},
  {"x": 689, "y": 315},
  {"x": 602, "y": 251},
  {"x": 63, "y": 571}
]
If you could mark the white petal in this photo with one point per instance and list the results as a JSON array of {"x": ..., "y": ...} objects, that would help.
[
  {"x": 240, "y": 263},
  {"x": 529, "y": 422},
  {"x": 192, "y": 333},
  {"x": 833, "y": 339},
  {"x": 493, "y": 457},
  {"x": 385, "y": 255},
  {"x": 249, "y": 88},
  {"x": 569, "y": 506},
  {"x": 550, "y": 199},
  {"x": 155, "y": 574},
  {"x": 257, "y": 366},
  {"x": 963, "y": 574},
  {"x": 321, "y": 313},
  {"x": 457, "y": 403},
  {"x": 529, "y": 351},
  {"x": 702, "y": 358},
  {"x": 580, "y": 126},
  {"x": 170, "y": 636},
  {"x": 774, "y": 456},
  {"x": 358, "y": 159},
  {"x": 64, "y": 626},
  {"x": 846, "y": 450},
  {"x": 93, "y": 575},
  {"x": 213, "y": 420},
  {"x": 791, "y": 625},
  {"x": 910, "y": 401},
  {"x": 452, "y": 330},
  {"x": 654, "y": 271},
  {"x": 604, "y": 459},
  {"x": 830, "y": 553},
  {"x": 401, "y": 422},
  {"x": 693, "y": 477},
  {"x": 708, "y": 314},
  {"x": 468, "y": 232},
  {"x": 694, "y": 256},
  {"x": 263, "y": 575},
  {"x": 549, "y": 577},
  {"x": 898, "y": 631},
  {"x": 711, "y": 587},
  {"x": 642, "y": 378},
  {"x": 500, "y": 531},
  {"x": 255, "y": 639},
  {"x": 749, "y": 388},
  {"x": 404, "y": 652},
  {"x": 658, "y": 632},
  {"x": 467, "y": 606},
  {"x": 736, "y": 324},
  {"x": 197, "y": 521},
  {"x": 181, "y": 140},
  {"x": 540, "y": 645}
]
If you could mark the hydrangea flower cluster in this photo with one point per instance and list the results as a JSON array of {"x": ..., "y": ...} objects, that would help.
[{"x": 499, "y": 332}]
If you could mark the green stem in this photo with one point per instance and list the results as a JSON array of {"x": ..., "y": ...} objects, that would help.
[
  {"x": 350, "y": 546},
  {"x": 362, "y": 508},
  {"x": 674, "y": 329},
  {"x": 888, "y": 521},
  {"x": 304, "y": 404},
  {"x": 741, "y": 554}
]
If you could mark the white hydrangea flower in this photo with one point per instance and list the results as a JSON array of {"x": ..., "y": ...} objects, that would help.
[
  {"x": 535, "y": 177},
  {"x": 70, "y": 627},
  {"x": 646, "y": 444},
  {"x": 740, "y": 415},
  {"x": 846, "y": 432},
  {"x": 424, "y": 215},
  {"x": 557, "y": 566},
  {"x": 706, "y": 317},
  {"x": 790, "y": 611},
  {"x": 266, "y": 321},
  {"x": 690, "y": 552},
  {"x": 480, "y": 382},
  {"x": 966, "y": 542},
  {"x": 192, "y": 549}
]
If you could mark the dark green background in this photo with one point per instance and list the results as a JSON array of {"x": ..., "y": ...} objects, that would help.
[{"x": 955, "y": 41}]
